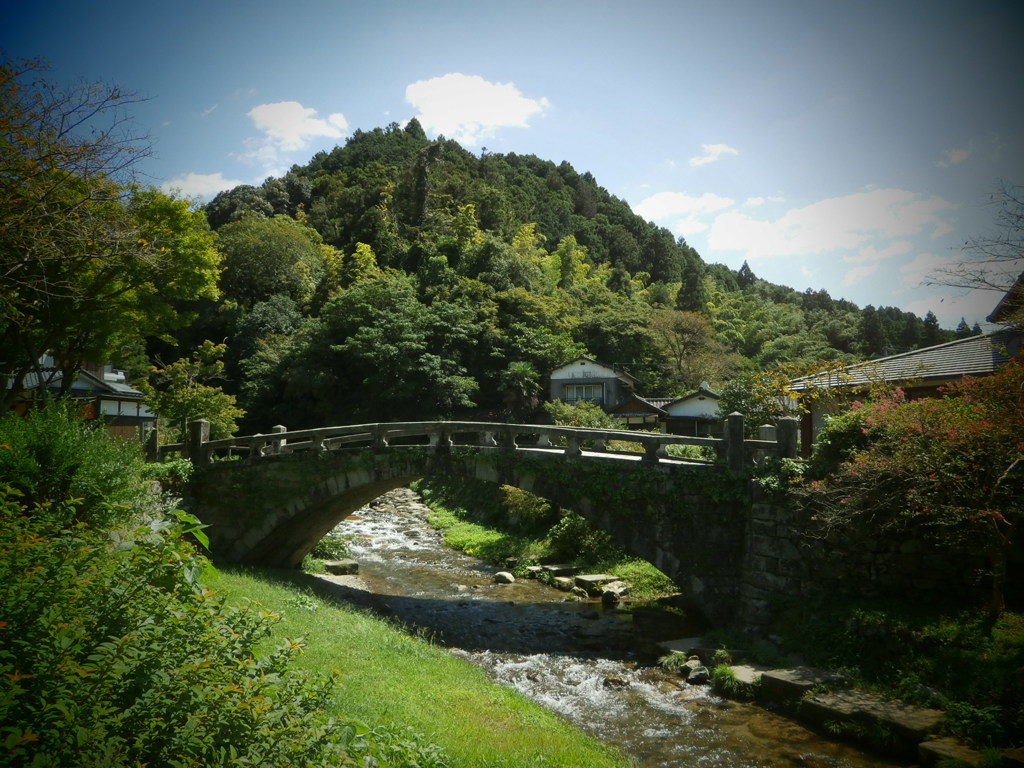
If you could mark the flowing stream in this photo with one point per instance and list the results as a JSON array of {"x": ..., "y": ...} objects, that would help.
[{"x": 592, "y": 665}]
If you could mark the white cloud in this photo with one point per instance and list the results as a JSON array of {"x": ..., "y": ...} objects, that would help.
[
  {"x": 857, "y": 274},
  {"x": 286, "y": 127},
  {"x": 290, "y": 125},
  {"x": 200, "y": 184},
  {"x": 871, "y": 253},
  {"x": 712, "y": 152},
  {"x": 954, "y": 156},
  {"x": 209, "y": 110},
  {"x": 858, "y": 222},
  {"x": 468, "y": 108},
  {"x": 680, "y": 212}
]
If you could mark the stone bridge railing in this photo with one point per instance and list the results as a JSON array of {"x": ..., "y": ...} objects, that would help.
[{"x": 648, "y": 447}]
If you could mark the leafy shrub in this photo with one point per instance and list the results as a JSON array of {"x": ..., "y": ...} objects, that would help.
[
  {"x": 172, "y": 475},
  {"x": 112, "y": 653},
  {"x": 525, "y": 509},
  {"x": 53, "y": 455},
  {"x": 725, "y": 682},
  {"x": 581, "y": 414},
  {"x": 672, "y": 662},
  {"x": 330, "y": 547},
  {"x": 982, "y": 726},
  {"x": 573, "y": 537},
  {"x": 841, "y": 437}
]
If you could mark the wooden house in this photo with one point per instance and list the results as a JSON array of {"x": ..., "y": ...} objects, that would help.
[
  {"x": 695, "y": 414},
  {"x": 102, "y": 393}
]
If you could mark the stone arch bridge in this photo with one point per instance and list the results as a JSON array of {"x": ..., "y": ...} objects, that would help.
[{"x": 268, "y": 499}]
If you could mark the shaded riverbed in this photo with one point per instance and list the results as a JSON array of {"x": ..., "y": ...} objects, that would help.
[{"x": 592, "y": 665}]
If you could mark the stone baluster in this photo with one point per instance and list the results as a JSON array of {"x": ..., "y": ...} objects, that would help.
[
  {"x": 543, "y": 440},
  {"x": 380, "y": 436},
  {"x": 440, "y": 441},
  {"x": 153, "y": 446},
  {"x": 572, "y": 446},
  {"x": 198, "y": 436},
  {"x": 787, "y": 431},
  {"x": 278, "y": 445},
  {"x": 256, "y": 448},
  {"x": 653, "y": 452},
  {"x": 735, "y": 450},
  {"x": 487, "y": 438}
]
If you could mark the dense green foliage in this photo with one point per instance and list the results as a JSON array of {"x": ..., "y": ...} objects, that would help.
[
  {"x": 112, "y": 650},
  {"x": 398, "y": 277},
  {"x": 950, "y": 466},
  {"x": 50, "y": 457},
  {"x": 89, "y": 262}
]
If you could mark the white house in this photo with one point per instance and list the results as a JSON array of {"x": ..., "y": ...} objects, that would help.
[{"x": 586, "y": 380}]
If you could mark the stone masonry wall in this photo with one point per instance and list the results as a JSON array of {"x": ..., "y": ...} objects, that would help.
[{"x": 781, "y": 559}]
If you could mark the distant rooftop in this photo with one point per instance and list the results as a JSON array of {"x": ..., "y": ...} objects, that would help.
[{"x": 973, "y": 356}]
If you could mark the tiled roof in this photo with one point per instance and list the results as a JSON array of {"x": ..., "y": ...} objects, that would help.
[
  {"x": 649, "y": 406},
  {"x": 976, "y": 355}
]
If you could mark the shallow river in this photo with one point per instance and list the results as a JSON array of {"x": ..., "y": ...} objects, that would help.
[{"x": 592, "y": 665}]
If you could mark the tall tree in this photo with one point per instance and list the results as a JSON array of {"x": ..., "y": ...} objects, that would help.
[
  {"x": 86, "y": 257},
  {"x": 266, "y": 257}
]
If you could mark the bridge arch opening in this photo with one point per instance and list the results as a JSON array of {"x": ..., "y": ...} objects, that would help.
[{"x": 274, "y": 511}]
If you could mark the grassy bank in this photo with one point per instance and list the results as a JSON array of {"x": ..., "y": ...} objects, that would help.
[{"x": 403, "y": 682}]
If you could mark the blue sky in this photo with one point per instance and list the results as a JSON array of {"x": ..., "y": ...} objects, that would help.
[{"x": 849, "y": 146}]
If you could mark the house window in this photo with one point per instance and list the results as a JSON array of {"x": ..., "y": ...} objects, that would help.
[{"x": 590, "y": 393}]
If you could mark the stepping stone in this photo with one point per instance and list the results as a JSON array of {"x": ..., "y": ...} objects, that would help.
[
  {"x": 934, "y": 750},
  {"x": 564, "y": 583},
  {"x": 560, "y": 569},
  {"x": 685, "y": 645},
  {"x": 746, "y": 674},
  {"x": 912, "y": 723},
  {"x": 594, "y": 583},
  {"x": 784, "y": 684}
]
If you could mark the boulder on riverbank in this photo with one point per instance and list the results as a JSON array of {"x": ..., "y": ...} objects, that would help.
[{"x": 344, "y": 567}]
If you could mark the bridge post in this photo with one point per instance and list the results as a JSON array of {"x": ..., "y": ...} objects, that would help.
[
  {"x": 786, "y": 432},
  {"x": 440, "y": 441},
  {"x": 152, "y": 446},
  {"x": 198, "y": 434},
  {"x": 734, "y": 449},
  {"x": 277, "y": 445},
  {"x": 507, "y": 440}
]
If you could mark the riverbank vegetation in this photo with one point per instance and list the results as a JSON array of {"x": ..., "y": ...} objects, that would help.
[
  {"x": 120, "y": 644},
  {"x": 946, "y": 470},
  {"x": 509, "y": 527}
]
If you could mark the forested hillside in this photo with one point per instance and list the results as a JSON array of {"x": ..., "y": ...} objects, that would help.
[{"x": 402, "y": 278}]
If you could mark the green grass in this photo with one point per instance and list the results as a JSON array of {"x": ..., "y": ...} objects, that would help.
[{"x": 394, "y": 679}]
